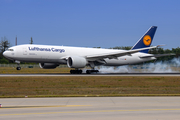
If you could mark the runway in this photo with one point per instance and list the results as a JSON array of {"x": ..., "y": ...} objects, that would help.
[
  {"x": 95, "y": 74},
  {"x": 96, "y": 108}
]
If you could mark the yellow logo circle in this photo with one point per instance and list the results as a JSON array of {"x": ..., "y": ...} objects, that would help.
[{"x": 147, "y": 40}]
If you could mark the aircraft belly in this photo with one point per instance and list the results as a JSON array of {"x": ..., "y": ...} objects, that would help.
[{"x": 117, "y": 62}]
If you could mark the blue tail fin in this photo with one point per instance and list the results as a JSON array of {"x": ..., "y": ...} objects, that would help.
[{"x": 145, "y": 40}]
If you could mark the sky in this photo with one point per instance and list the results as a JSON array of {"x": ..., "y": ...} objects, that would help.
[{"x": 90, "y": 23}]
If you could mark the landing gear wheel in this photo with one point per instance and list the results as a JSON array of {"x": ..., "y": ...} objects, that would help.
[
  {"x": 88, "y": 71},
  {"x": 71, "y": 71},
  {"x": 76, "y": 71},
  {"x": 18, "y": 68},
  {"x": 91, "y": 71},
  {"x": 79, "y": 71}
]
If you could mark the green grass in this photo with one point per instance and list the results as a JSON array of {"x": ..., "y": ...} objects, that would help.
[
  {"x": 11, "y": 70},
  {"x": 89, "y": 86}
]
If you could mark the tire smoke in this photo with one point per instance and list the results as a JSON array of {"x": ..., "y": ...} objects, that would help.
[{"x": 171, "y": 66}]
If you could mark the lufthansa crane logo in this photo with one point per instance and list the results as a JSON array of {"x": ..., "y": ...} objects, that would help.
[{"x": 147, "y": 40}]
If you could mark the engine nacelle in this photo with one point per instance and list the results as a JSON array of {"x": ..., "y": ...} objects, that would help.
[
  {"x": 76, "y": 62},
  {"x": 48, "y": 65}
]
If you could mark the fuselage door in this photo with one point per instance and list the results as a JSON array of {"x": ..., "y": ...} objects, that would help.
[{"x": 24, "y": 51}]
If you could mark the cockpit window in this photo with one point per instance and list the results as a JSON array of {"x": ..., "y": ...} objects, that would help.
[{"x": 10, "y": 50}]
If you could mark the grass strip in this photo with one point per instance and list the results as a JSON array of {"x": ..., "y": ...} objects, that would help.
[
  {"x": 11, "y": 70},
  {"x": 90, "y": 86}
]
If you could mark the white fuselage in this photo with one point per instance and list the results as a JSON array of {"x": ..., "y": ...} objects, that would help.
[{"x": 57, "y": 54}]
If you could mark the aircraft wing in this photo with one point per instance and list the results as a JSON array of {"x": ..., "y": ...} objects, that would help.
[
  {"x": 156, "y": 55},
  {"x": 114, "y": 55}
]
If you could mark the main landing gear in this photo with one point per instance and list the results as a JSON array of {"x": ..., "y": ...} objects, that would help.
[
  {"x": 91, "y": 64},
  {"x": 91, "y": 71},
  {"x": 76, "y": 71},
  {"x": 80, "y": 71}
]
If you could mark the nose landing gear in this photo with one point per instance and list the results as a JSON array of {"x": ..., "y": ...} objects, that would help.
[
  {"x": 18, "y": 68},
  {"x": 18, "y": 65}
]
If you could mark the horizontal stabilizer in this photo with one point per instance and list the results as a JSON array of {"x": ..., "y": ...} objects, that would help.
[{"x": 156, "y": 55}]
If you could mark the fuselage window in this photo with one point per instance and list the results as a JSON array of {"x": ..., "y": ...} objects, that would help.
[{"x": 10, "y": 50}]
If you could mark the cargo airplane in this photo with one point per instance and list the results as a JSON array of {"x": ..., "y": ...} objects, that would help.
[{"x": 50, "y": 57}]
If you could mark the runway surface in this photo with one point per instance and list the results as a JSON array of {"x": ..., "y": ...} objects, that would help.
[
  {"x": 91, "y": 108},
  {"x": 98, "y": 74}
]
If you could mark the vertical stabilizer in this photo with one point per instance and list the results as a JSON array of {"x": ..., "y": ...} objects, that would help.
[{"x": 145, "y": 40}]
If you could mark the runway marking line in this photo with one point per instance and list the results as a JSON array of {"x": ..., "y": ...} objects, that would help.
[
  {"x": 17, "y": 107},
  {"x": 96, "y": 75},
  {"x": 92, "y": 111}
]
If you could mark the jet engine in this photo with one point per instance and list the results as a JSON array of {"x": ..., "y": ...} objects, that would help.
[
  {"x": 76, "y": 62},
  {"x": 48, "y": 65}
]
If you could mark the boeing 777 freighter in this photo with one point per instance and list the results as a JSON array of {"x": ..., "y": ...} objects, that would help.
[{"x": 50, "y": 57}]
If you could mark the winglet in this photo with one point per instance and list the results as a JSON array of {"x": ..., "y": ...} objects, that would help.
[
  {"x": 145, "y": 40},
  {"x": 161, "y": 45}
]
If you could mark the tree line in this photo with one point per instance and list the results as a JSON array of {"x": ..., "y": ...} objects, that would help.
[{"x": 4, "y": 45}]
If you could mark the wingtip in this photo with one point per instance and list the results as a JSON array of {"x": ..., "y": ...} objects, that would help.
[{"x": 161, "y": 45}]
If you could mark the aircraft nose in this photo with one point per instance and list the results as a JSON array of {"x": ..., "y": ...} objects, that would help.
[
  {"x": 5, "y": 54},
  {"x": 8, "y": 54}
]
